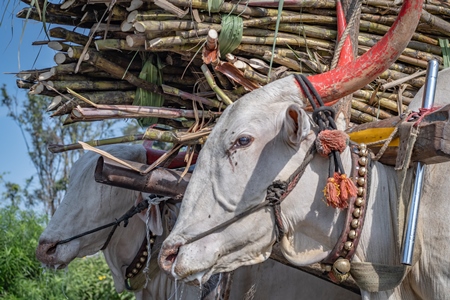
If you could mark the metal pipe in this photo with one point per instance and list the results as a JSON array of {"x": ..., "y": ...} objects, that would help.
[{"x": 413, "y": 213}]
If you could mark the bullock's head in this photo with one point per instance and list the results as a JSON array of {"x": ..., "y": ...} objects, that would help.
[
  {"x": 87, "y": 205},
  {"x": 260, "y": 138}
]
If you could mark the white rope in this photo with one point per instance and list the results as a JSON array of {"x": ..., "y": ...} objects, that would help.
[
  {"x": 149, "y": 247},
  {"x": 151, "y": 201}
]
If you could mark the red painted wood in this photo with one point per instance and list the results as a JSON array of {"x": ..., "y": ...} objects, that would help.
[{"x": 154, "y": 154}]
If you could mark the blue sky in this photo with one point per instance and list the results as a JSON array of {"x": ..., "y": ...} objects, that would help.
[
  {"x": 17, "y": 53},
  {"x": 16, "y": 49}
]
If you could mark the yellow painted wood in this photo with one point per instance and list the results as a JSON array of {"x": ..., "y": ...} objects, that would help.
[{"x": 374, "y": 134}]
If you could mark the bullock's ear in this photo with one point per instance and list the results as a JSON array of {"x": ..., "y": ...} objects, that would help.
[{"x": 296, "y": 124}]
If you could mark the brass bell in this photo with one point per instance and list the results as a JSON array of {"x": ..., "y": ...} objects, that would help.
[
  {"x": 138, "y": 265},
  {"x": 142, "y": 259},
  {"x": 362, "y": 146},
  {"x": 360, "y": 191},
  {"x": 145, "y": 253},
  {"x": 357, "y": 212},
  {"x": 135, "y": 271},
  {"x": 362, "y": 171},
  {"x": 342, "y": 265},
  {"x": 352, "y": 234},
  {"x": 348, "y": 245},
  {"x": 363, "y": 152},
  {"x": 361, "y": 181},
  {"x": 130, "y": 275},
  {"x": 326, "y": 268},
  {"x": 355, "y": 223},
  {"x": 359, "y": 201},
  {"x": 362, "y": 161}
]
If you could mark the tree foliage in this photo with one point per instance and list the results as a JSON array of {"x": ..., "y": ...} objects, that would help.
[
  {"x": 22, "y": 277},
  {"x": 38, "y": 131}
]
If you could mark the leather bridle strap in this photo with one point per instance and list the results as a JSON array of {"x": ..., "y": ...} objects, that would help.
[
  {"x": 124, "y": 218},
  {"x": 337, "y": 263}
]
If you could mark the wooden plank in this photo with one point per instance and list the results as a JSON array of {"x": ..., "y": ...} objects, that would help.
[{"x": 432, "y": 144}]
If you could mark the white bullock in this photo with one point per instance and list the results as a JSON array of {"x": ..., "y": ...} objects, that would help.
[
  {"x": 257, "y": 141},
  {"x": 265, "y": 137},
  {"x": 88, "y": 204}
]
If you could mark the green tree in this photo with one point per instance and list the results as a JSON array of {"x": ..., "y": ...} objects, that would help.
[
  {"x": 40, "y": 130},
  {"x": 22, "y": 277}
]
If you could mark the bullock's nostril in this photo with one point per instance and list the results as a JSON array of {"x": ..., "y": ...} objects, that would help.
[
  {"x": 167, "y": 256},
  {"x": 45, "y": 252},
  {"x": 171, "y": 258},
  {"x": 51, "y": 250}
]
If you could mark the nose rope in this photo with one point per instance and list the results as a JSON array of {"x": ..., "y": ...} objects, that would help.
[
  {"x": 277, "y": 192},
  {"x": 226, "y": 223},
  {"x": 124, "y": 218}
]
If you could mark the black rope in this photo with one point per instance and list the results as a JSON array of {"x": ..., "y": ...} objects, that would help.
[
  {"x": 124, "y": 218},
  {"x": 324, "y": 117},
  {"x": 226, "y": 223},
  {"x": 275, "y": 193}
]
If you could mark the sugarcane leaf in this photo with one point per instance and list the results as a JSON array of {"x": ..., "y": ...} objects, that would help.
[
  {"x": 152, "y": 73},
  {"x": 44, "y": 12},
  {"x": 86, "y": 146},
  {"x": 214, "y": 5},
  {"x": 280, "y": 10},
  {"x": 231, "y": 34},
  {"x": 445, "y": 52}
]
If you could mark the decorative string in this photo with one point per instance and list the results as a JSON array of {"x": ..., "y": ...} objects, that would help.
[
  {"x": 351, "y": 23},
  {"x": 329, "y": 142},
  {"x": 149, "y": 246},
  {"x": 155, "y": 200}
]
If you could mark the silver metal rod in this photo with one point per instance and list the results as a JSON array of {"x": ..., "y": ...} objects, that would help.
[
  {"x": 430, "y": 84},
  {"x": 413, "y": 213}
]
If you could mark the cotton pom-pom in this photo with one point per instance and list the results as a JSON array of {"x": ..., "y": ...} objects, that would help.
[{"x": 331, "y": 140}]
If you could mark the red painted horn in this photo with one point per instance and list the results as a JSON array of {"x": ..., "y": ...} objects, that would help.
[{"x": 345, "y": 80}]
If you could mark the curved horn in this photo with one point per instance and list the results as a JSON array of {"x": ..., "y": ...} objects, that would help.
[{"x": 344, "y": 80}]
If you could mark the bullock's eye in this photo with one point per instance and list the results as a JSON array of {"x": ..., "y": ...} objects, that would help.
[{"x": 242, "y": 141}]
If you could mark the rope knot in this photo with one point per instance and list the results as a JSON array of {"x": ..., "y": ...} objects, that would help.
[
  {"x": 419, "y": 116},
  {"x": 324, "y": 114},
  {"x": 275, "y": 191}
]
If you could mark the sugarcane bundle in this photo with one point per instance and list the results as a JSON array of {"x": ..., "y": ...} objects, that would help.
[{"x": 210, "y": 53}]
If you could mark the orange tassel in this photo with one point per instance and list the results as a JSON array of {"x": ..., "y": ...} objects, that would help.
[
  {"x": 338, "y": 190},
  {"x": 348, "y": 188},
  {"x": 331, "y": 192}
]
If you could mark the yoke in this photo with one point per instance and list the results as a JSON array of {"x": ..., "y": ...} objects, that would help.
[{"x": 432, "y": 144}]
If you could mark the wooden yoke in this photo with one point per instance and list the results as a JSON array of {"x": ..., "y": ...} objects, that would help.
[{"x": 432, "y": 144}]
